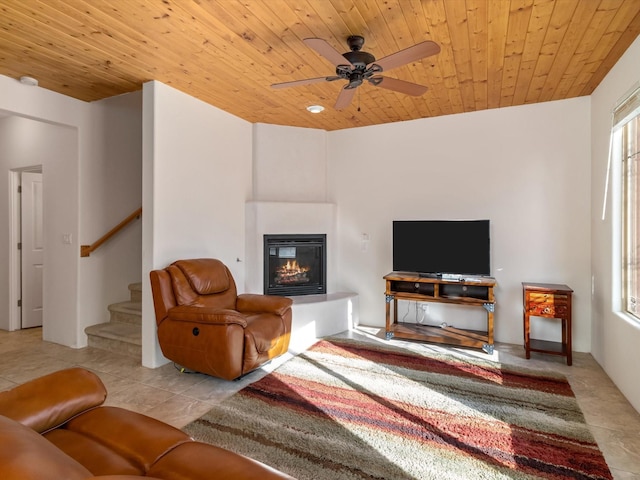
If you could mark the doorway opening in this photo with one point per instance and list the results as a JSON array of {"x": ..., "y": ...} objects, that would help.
[{"x": 26, "y": 248}]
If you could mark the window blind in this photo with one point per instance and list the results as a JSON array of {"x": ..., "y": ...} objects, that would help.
[{"x": 627, "y": 109}]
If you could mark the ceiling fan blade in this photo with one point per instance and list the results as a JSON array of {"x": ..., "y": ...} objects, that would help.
[
  {"x": 306, "y": 81},
  {"x": 345, "y": 97},
  {"x": 327, "y": 51},
  {"x": 398, "y": 85},
  {"x": 408, "y": 55}
]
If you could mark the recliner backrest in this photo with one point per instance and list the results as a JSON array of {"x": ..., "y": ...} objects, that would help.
[{"x": 204, "y": 281}]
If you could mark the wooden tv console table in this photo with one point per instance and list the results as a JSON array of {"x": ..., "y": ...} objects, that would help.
[{"x": 470, "y": 290}]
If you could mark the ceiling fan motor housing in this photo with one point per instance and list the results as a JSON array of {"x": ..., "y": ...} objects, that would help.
[
  {"x": 356, "y": 56},
  {"x": 357, "y": 72},
  {"x": 359, "y": 59}
]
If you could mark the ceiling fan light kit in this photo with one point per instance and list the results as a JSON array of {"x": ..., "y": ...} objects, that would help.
[{"x": 357, "y": 66}]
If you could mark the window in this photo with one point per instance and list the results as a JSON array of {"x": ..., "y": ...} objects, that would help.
[{"x": 627, "y": 133}]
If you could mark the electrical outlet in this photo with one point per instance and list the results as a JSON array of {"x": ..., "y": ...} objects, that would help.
[{"x": 425, "y": 307}]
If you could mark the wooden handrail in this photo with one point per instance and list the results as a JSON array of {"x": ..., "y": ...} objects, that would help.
[{"x": 85, "y": 250}]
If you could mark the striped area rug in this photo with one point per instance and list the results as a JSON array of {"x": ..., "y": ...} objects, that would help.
[{"x": 354, "y": 410}]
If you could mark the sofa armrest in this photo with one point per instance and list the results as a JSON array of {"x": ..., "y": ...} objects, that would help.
[
  {"x": 49, "y": 401},
  {"x": 206, "y": 315},
  {"x": 255, "y": 303}
]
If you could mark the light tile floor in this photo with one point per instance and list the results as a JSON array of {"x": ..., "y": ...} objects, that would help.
[{"x": 178, "y": 398}]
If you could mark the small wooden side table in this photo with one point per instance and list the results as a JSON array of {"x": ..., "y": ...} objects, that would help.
[{"x": 547, "y": 300}]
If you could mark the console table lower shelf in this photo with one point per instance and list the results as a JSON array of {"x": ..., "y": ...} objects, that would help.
[
  {"x": 441, "y": 334},
  {"x": 474, "y": 291}
]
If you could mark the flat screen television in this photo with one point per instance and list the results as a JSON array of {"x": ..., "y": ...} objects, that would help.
[{"x": 439, "y": 247}]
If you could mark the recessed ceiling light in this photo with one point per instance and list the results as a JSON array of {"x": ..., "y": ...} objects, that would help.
[
  {"x": 29, "y": 81},
  {"x": 315, "y": 108}
]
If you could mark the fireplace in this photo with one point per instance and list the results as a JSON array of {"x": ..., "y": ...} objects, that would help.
[{"x": 295, "y": 264}]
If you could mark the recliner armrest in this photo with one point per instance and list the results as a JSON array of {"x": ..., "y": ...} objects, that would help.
[
  {"x": 206, "y": 315},
  {"x": 255, "y": 303}
]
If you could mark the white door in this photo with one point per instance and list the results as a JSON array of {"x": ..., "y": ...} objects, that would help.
[{"x": 32, "y": 249}]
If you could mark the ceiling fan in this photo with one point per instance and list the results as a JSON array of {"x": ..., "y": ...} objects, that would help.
[{"x": 356, "y": 66}]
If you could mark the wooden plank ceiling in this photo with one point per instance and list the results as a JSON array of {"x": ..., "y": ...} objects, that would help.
[{"x": 494, "y": 53}]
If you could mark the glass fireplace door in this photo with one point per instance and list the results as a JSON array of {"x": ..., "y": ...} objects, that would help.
[{"x": 294, "y": 264}]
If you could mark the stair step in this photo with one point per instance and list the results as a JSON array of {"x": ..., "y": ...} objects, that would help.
[
  {"x": 126, "y": 312},
  {"x": 135, "y": 291},
  {"x": 123, "y": 333},
  {"x": 116, "y": 337}
]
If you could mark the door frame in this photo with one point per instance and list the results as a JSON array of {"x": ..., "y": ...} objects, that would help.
[{"x": 15, "y": 267}]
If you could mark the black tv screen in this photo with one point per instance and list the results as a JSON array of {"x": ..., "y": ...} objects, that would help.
[{"x": 436, "y": 247}]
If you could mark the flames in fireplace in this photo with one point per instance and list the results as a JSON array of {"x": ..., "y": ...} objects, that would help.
[{"x": 291, "y": 273}]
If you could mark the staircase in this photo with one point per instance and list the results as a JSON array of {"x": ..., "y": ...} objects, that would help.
[{"x": 123, "y": 333}]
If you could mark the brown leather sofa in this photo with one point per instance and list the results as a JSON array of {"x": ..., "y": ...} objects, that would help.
[
  {"x": 55, "y": 428},
  {"x": 204, "y": 325}
]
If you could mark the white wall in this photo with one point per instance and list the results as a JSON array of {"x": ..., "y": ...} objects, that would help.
[
  {"x": 110, "y": 190},
  {"x": 615, "y": 338},
  {"x": 23, "y": 143},
  {"x": 60, "y": 149},
  {"x": 91, "y": 157},
  {"x": 524, "y": 168},
  {"x": 196, "y": 181},
  {"x": 289, "y": 194},
  {"x": 289, "y": 164}
]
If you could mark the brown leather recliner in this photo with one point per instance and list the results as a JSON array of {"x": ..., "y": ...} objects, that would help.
[{"x": 204, "y": 325}]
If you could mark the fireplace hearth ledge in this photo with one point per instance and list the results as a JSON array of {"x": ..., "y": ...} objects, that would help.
[{"x": 317, "y": 316}]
